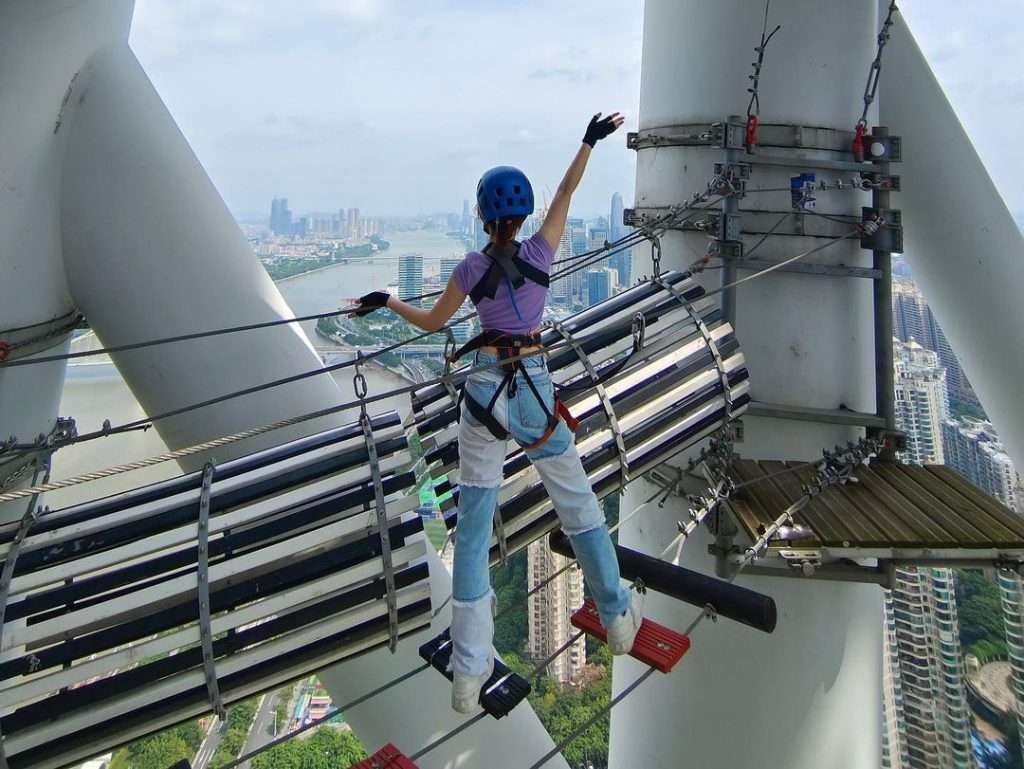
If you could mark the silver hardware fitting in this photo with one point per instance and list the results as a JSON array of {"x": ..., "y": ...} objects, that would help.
[{"x": 639, "y": 330}]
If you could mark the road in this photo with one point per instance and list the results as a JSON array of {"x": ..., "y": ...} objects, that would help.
[
  {"x": 262, "y": 729},
  {"x": 209, "y": 746}
]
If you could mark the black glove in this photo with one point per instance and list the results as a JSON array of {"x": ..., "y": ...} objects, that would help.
[
  {"x": 599, "y": 129},
  {"x": 374, "y": 300}
]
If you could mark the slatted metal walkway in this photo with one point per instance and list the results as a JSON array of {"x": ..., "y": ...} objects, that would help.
[{"x": 892, "y": 510}]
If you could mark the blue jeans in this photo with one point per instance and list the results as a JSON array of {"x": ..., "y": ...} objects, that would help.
[{"x": 481, "y": 457}]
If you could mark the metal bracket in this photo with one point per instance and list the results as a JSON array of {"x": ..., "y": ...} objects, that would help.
[
  {"x": 840, "y": 416},
  {"x": 769, "y": 135},
  {"x": 812, "y": 268},
  {"x": 735, "y": 175},
  {"x": 730, "y": 227},
  {"x": 883, "y": 149},
  {"x": 203, "y": 580},
  {"x": 602, "y": 394},
  {"x": 381, "y": 521},
  {"x": 889, "y": 235},
  {"x": 731, "y": 135}
]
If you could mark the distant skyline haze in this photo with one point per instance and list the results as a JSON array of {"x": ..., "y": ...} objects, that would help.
[{"x": 398, "y": 107}]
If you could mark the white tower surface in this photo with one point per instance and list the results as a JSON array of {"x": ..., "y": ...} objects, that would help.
[
  {"x": 97, "y": 183},
  {"x": 963, "y": 245},
  {"x": 808, "y": 695}
]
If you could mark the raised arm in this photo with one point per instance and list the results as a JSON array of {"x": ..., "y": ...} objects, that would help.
[
  {"x": 433, "y": 319},
  {"x": 558, "y": 211}
]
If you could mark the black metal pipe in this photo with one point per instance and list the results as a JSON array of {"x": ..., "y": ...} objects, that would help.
[
  {"x": 730, "y": 601},
  {"x": 885, "y": 388}
]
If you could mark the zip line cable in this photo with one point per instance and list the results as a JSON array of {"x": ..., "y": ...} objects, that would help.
[
  {"x": 225, "y": 440},
  {"x": 620, "y": 244},
  {"x": 143, "y": 423}
]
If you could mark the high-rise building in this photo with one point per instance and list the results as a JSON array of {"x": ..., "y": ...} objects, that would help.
[
  {"x": 1011, "y": 591},
  {"x": 352, "y": 228},
  {"x": 577, "y": 234},
  {"x": 600, "y": 284},
  {"x": 925, "y": 703},
  {"x": 448, "y": 265},
  {"x": 932, "y": 728},
  {"x": 410, "y": 277},
  {"x": 922, "y": 402},
  {"x": 467, "y": 218},
  {"x": 894, "y": 727},
  {"x": 615, "y": 226},
  {"x": 913, "y": 319},
  {"x": 621, "y": 262},
  {"x": 280, "y": 217},
  {"x": 561, "y": 288},
  {"x": 549, "y": 611},
  {"x": 972, "y": 448}
]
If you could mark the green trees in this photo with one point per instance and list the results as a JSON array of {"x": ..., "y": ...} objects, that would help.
[
  {"x": 327, "y": 748},
  {"x": 161, "y": 750},
  {"x": 239, "y": 717},
  {"x": 981, "y": 616},
  {"x": 563, "y": 709}
]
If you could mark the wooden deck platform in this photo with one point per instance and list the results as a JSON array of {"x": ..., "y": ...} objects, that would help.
[{"x": 929, "y": 511}]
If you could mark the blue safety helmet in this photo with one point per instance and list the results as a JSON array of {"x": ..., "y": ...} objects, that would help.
[{"x": 504, "y": 192}]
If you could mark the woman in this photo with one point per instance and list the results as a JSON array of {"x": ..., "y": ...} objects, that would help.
[{"x": 508, "y": 284}]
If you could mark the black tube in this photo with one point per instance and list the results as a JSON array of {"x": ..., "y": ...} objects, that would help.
[{"x": 731, "y": 601}]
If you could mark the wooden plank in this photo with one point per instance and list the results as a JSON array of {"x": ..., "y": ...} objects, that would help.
[
  {"x": 751, "y": 509},
  {"x": 962, "y": 531},
  {"x": 925, "y": 529},
  {"x": 790, "y": 484},
  {"x": 1010, "y": 520},
  {"x": 879, "y": 508},
  {"x": 960, "y": 505},
  {"x": 852, "y": 521}
]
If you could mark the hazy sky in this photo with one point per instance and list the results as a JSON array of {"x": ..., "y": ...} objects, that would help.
[{"x": 397, "y": 106}]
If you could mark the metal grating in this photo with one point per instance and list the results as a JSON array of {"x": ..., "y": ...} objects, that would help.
[{"x": 890, "y": 506}]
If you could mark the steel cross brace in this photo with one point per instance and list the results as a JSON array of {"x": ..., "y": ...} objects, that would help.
[
  {"x": 203, "y": 578},
  {"x": 602, "y": 394}
]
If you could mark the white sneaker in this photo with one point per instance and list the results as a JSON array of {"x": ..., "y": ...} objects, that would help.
[
  {"x": 466, "y": 689},
  {"x": 623, "y": 629}
]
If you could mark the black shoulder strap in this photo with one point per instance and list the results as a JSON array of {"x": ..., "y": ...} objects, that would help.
[{"x": 505, "y": 263}]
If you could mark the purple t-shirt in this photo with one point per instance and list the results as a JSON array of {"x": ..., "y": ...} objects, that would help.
[{"x": 500, "y": 313}]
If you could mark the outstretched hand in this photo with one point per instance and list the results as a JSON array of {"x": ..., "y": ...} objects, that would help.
[
  {"x": 599, "y": 127},
  {"x": 375, "y": 300}
]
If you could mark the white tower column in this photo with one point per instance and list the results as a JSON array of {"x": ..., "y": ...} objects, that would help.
[
  {"x": 42, "y": 46},
  {"x": 963, "y": 245},
  {"x": 809, "y": 694}
]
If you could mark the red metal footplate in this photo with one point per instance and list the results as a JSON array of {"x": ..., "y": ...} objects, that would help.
[
  {"x": 655, "y": 645},
  {"x": 388, "y": 757}
]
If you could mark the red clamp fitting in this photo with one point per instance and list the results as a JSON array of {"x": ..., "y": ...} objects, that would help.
[
  {"x": 858, "y": 142},
  {"x": 5, "y": 350},
  {"x": 751, "y": 133}
]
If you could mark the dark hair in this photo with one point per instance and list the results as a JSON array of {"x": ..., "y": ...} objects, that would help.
[{"x": 504, "y": 229}]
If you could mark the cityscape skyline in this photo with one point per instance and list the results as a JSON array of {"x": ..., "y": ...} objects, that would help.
[{"x": 363, "y": 136}]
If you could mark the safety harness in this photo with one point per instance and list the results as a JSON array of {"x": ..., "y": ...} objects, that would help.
[{"x": 506, "y": 264}]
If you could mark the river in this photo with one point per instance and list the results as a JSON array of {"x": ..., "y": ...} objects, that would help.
[{"x": 95, "y": 393}]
